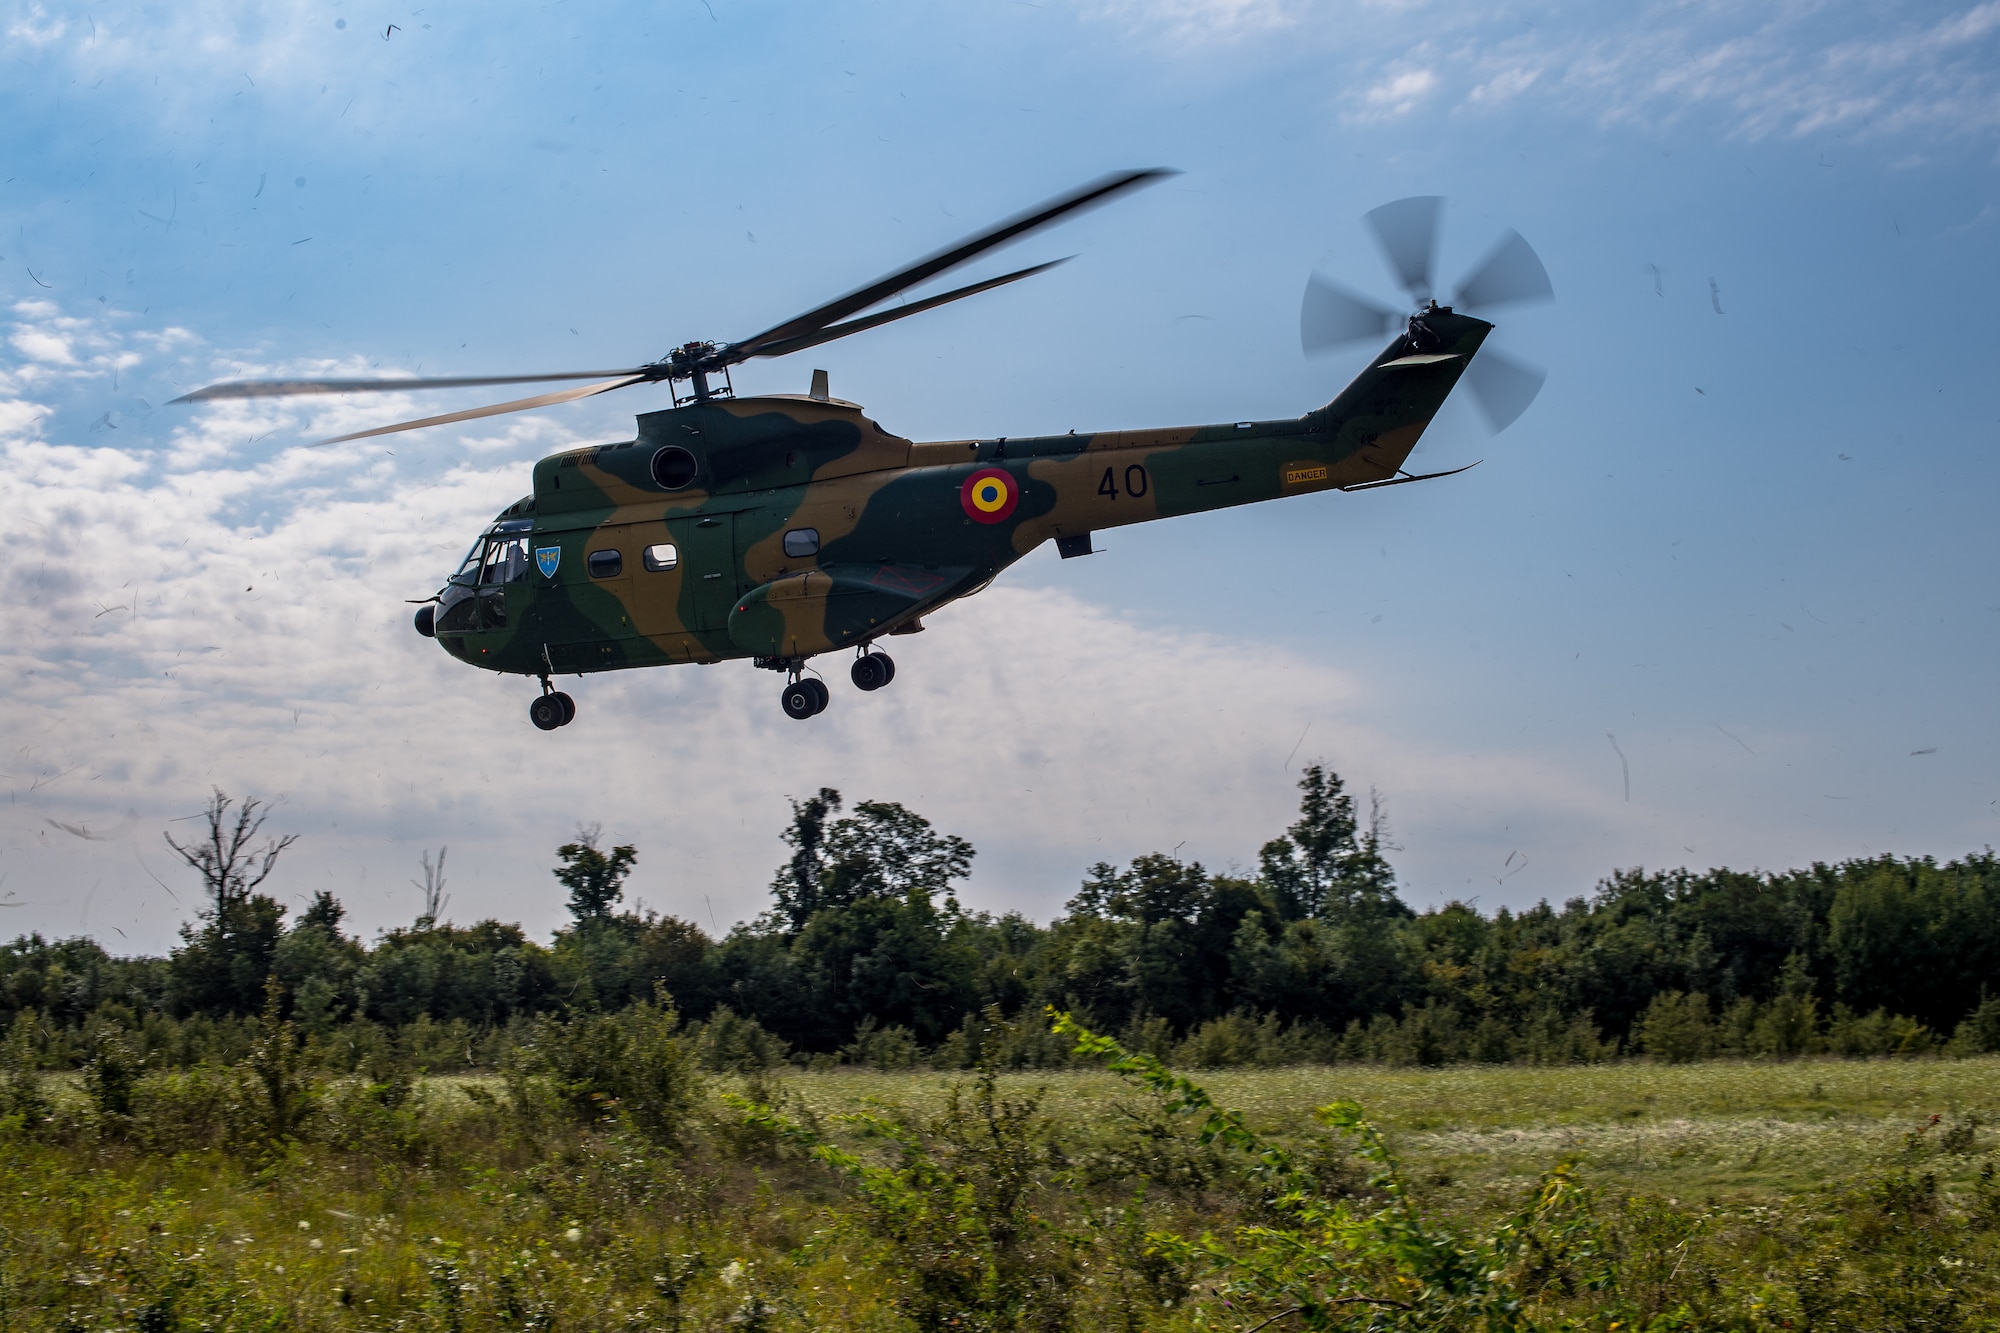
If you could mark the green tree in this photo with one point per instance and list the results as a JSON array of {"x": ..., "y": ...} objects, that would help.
[
  {"x": 221, "y": 967},
  {"x": 1676, "y": 1028},
  {"x": 595, "y": 879},
  {"x": 800, "y": 883},
  {"x": 884, "y": 850},
  {"x": 1328, "y": 865}
]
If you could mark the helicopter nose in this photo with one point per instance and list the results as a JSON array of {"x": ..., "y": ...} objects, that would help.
[{"x": 427, "y": 621}]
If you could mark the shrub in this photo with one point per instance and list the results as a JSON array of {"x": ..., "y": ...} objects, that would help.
[
  {"x": 956, "y": 1210},
  {"x": 111, "y": 1076},
  {"x": 892, "y": 1047},
  {"x": 1335, "y": 1266},
  {"x": 1676, "y": 1028},
  {"x": 729, "y": 1043},
  {"x": 280, "y": 1069},
  {"x": 630, "y": 1066}
]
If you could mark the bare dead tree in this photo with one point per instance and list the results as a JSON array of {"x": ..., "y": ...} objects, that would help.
[
  {"x": 230, "y": 868},
  {"x": 432, "y": 887}
]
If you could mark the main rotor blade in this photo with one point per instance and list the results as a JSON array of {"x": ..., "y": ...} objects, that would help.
[
  {"x": 1330, "y": 315},
  {"x": 1503, "y": 387},
  {"x": 497, "y": 409},
  {"x": 1512, "y": 272},
  {"x": 280, "y": 388},
  {"x": 882, "y": 289},
  {"x": 1407, "y": 232},
  {"x": 827, "y": 335}
]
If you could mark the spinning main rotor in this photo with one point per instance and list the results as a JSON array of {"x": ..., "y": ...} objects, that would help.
[{"x": 694, "y": 363}]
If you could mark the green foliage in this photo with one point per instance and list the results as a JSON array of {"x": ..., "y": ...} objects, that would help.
[
  {"x": 958, "y": 1209},
  {"x": 728, "y": 1043},
  {"x": 1328, "y": 866},
  {"x": 1676, "y": 1028},
  {"x": 1052, "y": 1203},
  {"x": 224, "y": 961},
  {"x": 595, "y": 878},
  {"x": 630, "y": 1067},
  {"x": 867, "y": 956},
  {"x": 24, "y": 1104},
  {"x": 800, "y": 886},
  {"x": 111, "y": 1076},
  {"x": 1338, "y": 1266},
  {"x": 283, "y": 1070}
]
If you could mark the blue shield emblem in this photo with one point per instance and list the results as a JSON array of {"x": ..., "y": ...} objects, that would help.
[{"x": 546, "y": 560}]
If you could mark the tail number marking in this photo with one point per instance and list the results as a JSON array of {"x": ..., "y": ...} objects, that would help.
[{"x": 1136, "y": 483}]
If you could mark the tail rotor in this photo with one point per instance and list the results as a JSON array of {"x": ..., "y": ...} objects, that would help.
[{"x": 1333, "y": 315}]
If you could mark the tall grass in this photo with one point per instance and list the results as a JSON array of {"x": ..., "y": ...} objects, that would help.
[{"x": 613, "y": 1185}]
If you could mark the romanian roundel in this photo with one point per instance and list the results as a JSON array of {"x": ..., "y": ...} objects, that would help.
[{"x": 989, "y": 495}]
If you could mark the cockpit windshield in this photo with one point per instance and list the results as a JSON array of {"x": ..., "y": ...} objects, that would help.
[
  {"x": 501, "y": 555},
  {"x": 506, "y": 560}
]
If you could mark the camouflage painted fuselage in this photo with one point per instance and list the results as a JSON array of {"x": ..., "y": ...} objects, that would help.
[{"x": 604, "y": 567}]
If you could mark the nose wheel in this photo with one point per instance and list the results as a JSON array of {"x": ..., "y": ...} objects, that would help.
[{"x": 551, "y": 709}]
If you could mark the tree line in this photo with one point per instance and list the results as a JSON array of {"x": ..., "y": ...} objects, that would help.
[{"x": 867, "y": 954}]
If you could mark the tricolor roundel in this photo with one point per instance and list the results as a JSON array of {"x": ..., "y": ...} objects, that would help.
[{"x": 989, "y": 495}]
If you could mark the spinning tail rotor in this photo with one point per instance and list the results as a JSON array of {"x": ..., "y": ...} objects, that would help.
[{"x": 1332, "y": 315}]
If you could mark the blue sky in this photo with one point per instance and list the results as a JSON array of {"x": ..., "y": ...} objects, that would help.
[{"x": 1725, "y": 595}]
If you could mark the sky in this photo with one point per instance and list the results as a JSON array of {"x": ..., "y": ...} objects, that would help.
[{"x": 1724, "y": 596}]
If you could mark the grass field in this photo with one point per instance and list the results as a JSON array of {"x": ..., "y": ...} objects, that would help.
[
  {"x": 1735, "y": 1130},
  {"x": 1724, "y": 1195}
]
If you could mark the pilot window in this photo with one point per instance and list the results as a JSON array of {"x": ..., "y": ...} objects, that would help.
[
  {"x": 802, "y": 541},
  {"x": 662, "y": 557},
  {"x": 506, "y": 560},
  {"x": 604, "y": 564}
]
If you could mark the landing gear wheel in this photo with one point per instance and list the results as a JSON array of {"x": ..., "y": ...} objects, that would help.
[
  {"x": 800, "y": 700},
  {"x": 546, "y": 711},
  {"x": 871, "y": 671},
  {"x": 820, "y": 692},
  {"x": 568, "y": 708}
]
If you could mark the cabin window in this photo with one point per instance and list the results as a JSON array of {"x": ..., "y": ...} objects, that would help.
[
  {"x": 604, "y": 564},
  {"x": 802, "y": 542},
  {"x": 662, "y": 557}
]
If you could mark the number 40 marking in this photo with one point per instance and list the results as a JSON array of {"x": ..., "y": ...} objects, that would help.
[{"x": 1135, "y": 483}]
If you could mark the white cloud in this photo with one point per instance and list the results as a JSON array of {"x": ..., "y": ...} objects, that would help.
[
  {"x": 1795, "y": 68},
  {"x": 1397, "y": 94},
  {"x": 33, "y": 27},
  {"x": 42, "y": 345},
  {"x": 1776, "y": 71},
  {"x": 1192, "y": 23}
]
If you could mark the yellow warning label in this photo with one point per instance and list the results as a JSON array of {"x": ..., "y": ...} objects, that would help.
[{"x": 1301, "y": 474}]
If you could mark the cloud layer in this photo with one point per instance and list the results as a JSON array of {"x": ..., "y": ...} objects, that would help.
[{"x": 1792, "y": 69}]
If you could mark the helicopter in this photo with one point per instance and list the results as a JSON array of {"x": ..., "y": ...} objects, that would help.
[{"x": 780, "y": 527}]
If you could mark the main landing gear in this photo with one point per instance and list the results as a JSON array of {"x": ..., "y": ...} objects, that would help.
[
  {"x": 807, "y": 696},
  {"x": 551, "y": 708},
  {"x": 871, "y": 671}
]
